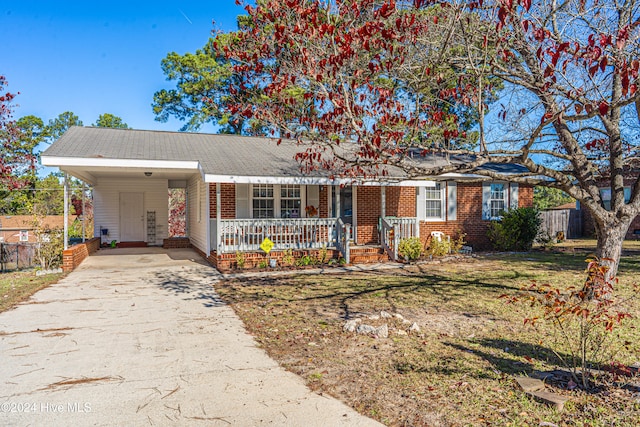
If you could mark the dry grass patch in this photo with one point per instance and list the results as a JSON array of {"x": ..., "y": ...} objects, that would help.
[
  {"x": 18, "y": 286},
  {"x": 458, "y": 369}
]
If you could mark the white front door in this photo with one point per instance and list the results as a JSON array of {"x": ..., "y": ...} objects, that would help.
[{"x": 131, "y": 217}]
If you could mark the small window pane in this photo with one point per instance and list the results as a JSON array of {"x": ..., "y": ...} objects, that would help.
[
  {"x": 498, "y": 200},
  {"x": 290, "y": 202},
  {"x": 263, "y": 201},
  {"x": 434, "y": 201}
]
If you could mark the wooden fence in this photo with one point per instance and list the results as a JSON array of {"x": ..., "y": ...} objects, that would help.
[
  {"x": 568, "y": 221},
  {"x": 17, "y": 256}
]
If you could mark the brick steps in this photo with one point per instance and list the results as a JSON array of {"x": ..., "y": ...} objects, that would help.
[{"x": 368, "y": 255}]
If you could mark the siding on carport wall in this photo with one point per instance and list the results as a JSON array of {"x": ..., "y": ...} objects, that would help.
[{"x": 106, "y": 200}]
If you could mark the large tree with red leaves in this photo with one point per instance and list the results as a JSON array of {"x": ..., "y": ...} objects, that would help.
[
  {"x": 16, "y": 154},
  {"x": 364, "y": 84}
]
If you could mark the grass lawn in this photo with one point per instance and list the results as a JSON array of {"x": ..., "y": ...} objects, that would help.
[
  {"x": 458, "y": 369},
  {"x": 18, "y": 286}
]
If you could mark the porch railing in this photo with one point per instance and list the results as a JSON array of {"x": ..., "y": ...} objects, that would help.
[
  {"x": 343, "y": 238},
  {"x": 299, "y": 233},
  {"x": 393, "y": 229}
]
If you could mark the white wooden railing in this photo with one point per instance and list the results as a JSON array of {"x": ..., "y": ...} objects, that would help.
[
  {"x": 299, "y": 233},
  {"x": 393, "y": 229}
]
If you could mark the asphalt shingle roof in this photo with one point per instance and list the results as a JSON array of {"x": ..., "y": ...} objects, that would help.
[{"x": 218, "y": 154}]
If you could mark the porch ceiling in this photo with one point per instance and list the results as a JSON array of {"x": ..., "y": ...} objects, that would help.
[{"x": 90, "y": 175}]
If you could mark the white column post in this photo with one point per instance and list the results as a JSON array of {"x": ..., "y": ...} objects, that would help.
[
  {"x": 218, "y": 216},
  {"x": 65, "y": 234},
  {"x": 84, "y": 217}
]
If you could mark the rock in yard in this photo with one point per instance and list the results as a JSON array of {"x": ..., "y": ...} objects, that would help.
[
  {"x": 530, "y": 384},
  {"x": 401, "y": 332},
  {"x": 351, "y": 325},
  {"x": 414, "y": 327},
  {"x": 385, "y": 315},
  {"x": 374, "y": 317},
  {"x": 551, "y": 399},
  {"x": 398, "y": 316},
  {"x": 366, "y": 329},
  {"x": 382, "y": 331}
]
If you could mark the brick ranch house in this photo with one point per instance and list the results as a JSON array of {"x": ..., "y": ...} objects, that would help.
[
  {"x": 240, "y": 190},
  {"x": 21, "y": 228},
  {"x": 633, "y": 232}
]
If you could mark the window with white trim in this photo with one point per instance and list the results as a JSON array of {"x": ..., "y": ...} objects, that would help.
[
  {"x": 498, "y": 200},
  {"x": 290, "y": 201},
  {"x": 263, "y": 201},
  {"x": 24, "y": 235},
  {"x": 605, "y": 194},
  {"x": 435, "y": 201}
]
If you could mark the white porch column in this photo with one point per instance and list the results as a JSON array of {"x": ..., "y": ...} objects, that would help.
[
  {"x": 337, "y": 194},
  {"x": 84, "y": 217},
  {"x": 65, "y": 234},
  {"x": 218, "y": 216},
  {"x": 383, "y": 201}
]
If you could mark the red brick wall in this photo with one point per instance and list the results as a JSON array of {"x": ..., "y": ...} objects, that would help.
[
  {"x": 227, "y": 201},
  {"x": 324, "y": 208},
  {"x": 368, "y": 212},
  {"x": 72, "y": 257},
  {"x": 400, "y": 201},
  {"x": 469, "y": 216}
]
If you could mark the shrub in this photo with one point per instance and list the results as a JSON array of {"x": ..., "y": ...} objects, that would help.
[
  {"x": 49, "y": 248},
  {"x": 581, "y": 319},
  {"x": 322, "y": 254},
  {"x": 240, "y": 259},
  {"x": 287, "y": 258},
  {"x": 516, "y": 231},
  {"x": 439, "y": 247},
  {"x": 263, "y": 264},
  {"x": 304, "y": 261},
  {"x": 410, "y": 248}
]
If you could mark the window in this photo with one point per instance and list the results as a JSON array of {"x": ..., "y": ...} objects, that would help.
[
  {"x": 276, "y": 201},
  {"x": 605, "y": 194},
  {"x": 290, "y": 202},
  {"x": 24, "y": 235},
  {"x": 434, "y": 201},
  {"x": 498, "y": 200},
  {"x": 263, "y": 201}
]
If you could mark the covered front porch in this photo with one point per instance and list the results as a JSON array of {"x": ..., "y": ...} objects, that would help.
[{"x": 349, "y": 221}]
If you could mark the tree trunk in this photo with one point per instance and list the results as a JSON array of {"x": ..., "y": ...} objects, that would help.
[{"x": 610, "y": 238}]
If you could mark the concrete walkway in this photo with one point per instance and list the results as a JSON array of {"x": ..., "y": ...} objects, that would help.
[{"x": 139, "y": 337}]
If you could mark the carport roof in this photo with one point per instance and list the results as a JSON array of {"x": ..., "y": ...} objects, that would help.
[{"x": 218, "y": 157}]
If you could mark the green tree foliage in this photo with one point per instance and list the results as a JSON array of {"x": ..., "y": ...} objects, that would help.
[
  {"x": 547, "y": 197},
  {"x": 108, "y": 120},
  {"x": 56, "y": 127},
  {"x": 202, "y": 92},
  {"x": 43, "y": 196}
]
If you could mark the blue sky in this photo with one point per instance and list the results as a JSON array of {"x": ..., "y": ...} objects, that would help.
[{"x": 101, "y": 57}]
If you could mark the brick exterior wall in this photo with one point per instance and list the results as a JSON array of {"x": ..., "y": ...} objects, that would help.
[
  {"x": 368, "y": 211},
  {"x": 400, "y": 201},
  {"x": 324, "y": 206},
  {"x": 227, "y": 201},
  {"x": 176, "y": 243},
  {"x": 72, "y": 257},
  {"x": 469, "y": 216},
  {"x": 589, "y": 230}
]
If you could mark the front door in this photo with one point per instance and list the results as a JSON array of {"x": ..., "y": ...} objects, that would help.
[
  {"x": 342, "y": 203},
  {"x": 131, "y": 217}
]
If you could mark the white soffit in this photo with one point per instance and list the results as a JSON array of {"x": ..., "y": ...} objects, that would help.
[{"x": 125, "y": 163}]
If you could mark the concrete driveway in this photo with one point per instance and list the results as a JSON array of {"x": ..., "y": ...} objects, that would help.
[{"x": 139, "y": 337}]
